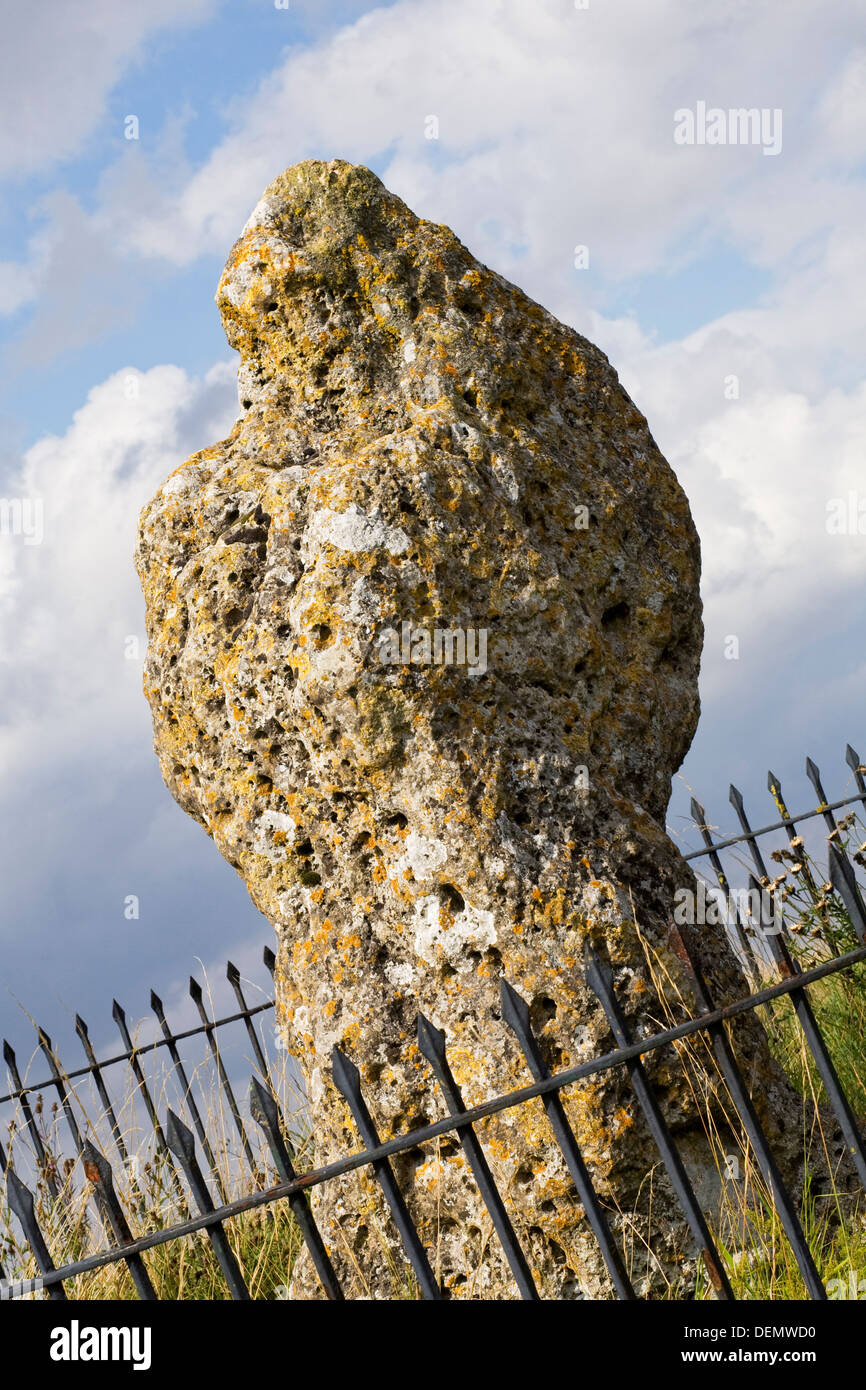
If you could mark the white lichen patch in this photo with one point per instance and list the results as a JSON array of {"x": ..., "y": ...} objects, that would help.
[
  {"x": 505, "y": 477},
  {"x": 354, "y": 531},
  {"x": 421, "y": 857},
  {"x": 263, "y": 214},
  {"x": 188, "y": 478},
  {"x": 400, "y": 975},
  {"x": 275, "y": 834},
  {"x": 436, "y": 929}
]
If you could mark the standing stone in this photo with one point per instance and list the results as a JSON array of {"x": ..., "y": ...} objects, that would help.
[{"x": 424, "y": 450}]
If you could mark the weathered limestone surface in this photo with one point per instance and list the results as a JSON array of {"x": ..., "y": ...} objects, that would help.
[{"x": 421, "y": 443}]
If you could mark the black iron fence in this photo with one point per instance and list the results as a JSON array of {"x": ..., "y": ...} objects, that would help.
[{"x": 769, "y": 958}]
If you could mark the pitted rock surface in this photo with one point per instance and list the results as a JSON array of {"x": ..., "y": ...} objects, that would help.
[{"x": 421, "y": 444}]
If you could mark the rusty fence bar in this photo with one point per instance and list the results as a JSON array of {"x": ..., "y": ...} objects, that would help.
[{"x": 776, "y": 968}]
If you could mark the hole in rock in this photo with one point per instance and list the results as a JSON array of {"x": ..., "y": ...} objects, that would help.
[
  {"x": 407, "y": 504},
  {"x": 616, "y": 615},
  {"x": 542, "y": 1010},
  {"x": 543, "y": 685},
  {"x": 450, "y": 898},
  {"x": 407, "y": 1163}
]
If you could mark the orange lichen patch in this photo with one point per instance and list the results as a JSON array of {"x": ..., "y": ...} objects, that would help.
[{"x": 622, "y": 1118}]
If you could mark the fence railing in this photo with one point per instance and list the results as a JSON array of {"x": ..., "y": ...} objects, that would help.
[
  {"x": 773, "y": 967},
  {"x": 60, "y": 1078}
]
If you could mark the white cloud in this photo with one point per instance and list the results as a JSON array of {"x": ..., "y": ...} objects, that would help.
[
  {"x": 759, "y": 470},
  {"x": 76, "y": 278},
  {"x": 842, "y": 112},
  {"x": 555, "y": 126},
  {"x": 19, "y": 282},
  {"x": 58, "y": 64},
  {"x": 67, "y": 605}
]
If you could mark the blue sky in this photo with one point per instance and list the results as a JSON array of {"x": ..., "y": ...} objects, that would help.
[{"x": 706, "y": 264}]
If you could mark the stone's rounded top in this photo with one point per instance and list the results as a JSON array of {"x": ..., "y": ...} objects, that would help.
[
  {"x": 320, "y": 230},
  {"x": 341, "y": 300},
  {"x": 346, "y": 197}
]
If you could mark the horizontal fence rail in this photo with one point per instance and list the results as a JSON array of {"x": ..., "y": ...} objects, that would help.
[{"x": 772, "y": 970}]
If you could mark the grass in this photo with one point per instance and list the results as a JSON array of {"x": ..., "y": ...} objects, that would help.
[
  {"x": 759, "y": 1260},
  {"x": 266, "y": 1241}
]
